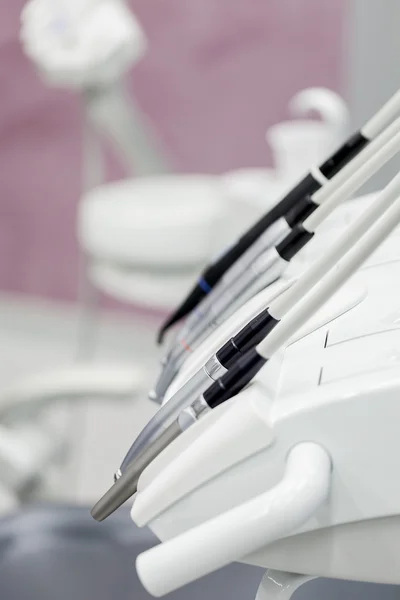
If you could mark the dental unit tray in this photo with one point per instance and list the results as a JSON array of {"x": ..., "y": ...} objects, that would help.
[{"x": 335, "y": 388}]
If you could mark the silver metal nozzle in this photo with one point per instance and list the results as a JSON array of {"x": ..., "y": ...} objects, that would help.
[{"x": 126, "y": 485}]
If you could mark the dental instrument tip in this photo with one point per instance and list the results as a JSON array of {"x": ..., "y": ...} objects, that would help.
[
  {"x": 115, "y": 497},
  {"x": 126, "y": 485}
]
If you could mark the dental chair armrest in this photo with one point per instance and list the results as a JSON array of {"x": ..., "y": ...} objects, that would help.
[
  {"x": 243, "y": 529},
  {"x": 73, "y": 384}
]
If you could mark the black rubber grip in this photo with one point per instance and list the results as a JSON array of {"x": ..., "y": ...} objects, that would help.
[
  {"x": 293, "y": 242},
  {"x": 343, "y": 155},
  {"x": 299, "y": 213},
  {"x": 248, "y": 337},
  {"x": 230, "y": 384}
]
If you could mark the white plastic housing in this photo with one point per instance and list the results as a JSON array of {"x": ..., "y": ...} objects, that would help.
[
  {"x": 337, "y": 387},
  {"x": 304, "y": 488}
]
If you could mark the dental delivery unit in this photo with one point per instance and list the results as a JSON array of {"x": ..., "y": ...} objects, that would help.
[{"x": 278, "y": 442}]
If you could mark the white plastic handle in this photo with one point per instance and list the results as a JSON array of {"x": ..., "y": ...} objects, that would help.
[
  {"x": 382, "y": 117},
  {"x": 336, "y": 251},
  {"x": 336, "y": 277},
  {"x": 243, "y": 529}
]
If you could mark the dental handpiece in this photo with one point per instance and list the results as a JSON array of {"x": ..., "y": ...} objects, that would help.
[
  {"x": 193, "y": 331},
  {"x": 365, "y": 239},
  {"x": 264, "y": 269},
  {"x": 307, "y": 186},
  {"x": 294, "y": 308},
  {"x": 196, "y": 385},
  {"x": 281, "y": 254}
]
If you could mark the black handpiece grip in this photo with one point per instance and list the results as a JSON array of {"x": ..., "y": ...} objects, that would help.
[
  {"x": 299, "y": 213},
  {"x": 343, "y": 155},
  {"x": 230, "y": 384},
  {"x": 293, "y": 242},
  {"x": 248, "y": 337}
]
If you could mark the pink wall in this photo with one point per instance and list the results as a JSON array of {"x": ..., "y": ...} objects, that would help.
[{"x": 218, "y": 73}]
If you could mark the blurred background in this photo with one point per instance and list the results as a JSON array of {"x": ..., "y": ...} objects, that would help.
[
  {"x": 214, "y": 77},
  {"x": 198, "y": 91}
]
